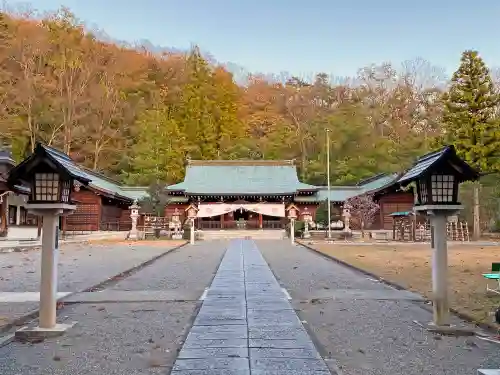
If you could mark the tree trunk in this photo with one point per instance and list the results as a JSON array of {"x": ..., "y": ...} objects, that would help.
[{"x": 476, "y": 235}]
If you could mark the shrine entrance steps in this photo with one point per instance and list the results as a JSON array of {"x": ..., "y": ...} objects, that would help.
[{"x": 255, "y": 234}]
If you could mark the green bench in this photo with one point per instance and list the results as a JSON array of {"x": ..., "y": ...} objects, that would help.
[{"x": 494, "y": 275}]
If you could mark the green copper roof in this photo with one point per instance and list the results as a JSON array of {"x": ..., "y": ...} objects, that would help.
[
  {"x": 236, "y": 177},
  {"x": 342, "y": 193},
  {"x": 377, "y": 182},
  {"x": 114, "y": 188},
  {"x": 135, "y": 192},
  {"x": 337, "y": 194}
]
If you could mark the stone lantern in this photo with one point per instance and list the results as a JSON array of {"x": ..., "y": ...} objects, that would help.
[
  {"x": 307, "y": 217},
  {"x": 134, "y": 215},
  {"x": 437, "y": 176},
  {"x": 51, "y": 177},
  {"x": 175, "y": 224},
  {"x": 192, "y": 211},
  {"x": 346, "y": 214},
  {"x": 292, "y": 215}
]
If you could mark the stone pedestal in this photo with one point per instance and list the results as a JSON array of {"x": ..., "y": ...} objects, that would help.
[{"x": 39, "y": 333}]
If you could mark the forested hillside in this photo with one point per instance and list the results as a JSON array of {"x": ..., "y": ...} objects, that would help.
[{"x": 138, "y": 115}]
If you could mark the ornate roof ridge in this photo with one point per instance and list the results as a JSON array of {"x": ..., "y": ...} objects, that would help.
[{"x": 241, "y": 162}]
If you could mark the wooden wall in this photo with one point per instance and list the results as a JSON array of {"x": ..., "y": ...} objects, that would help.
[
  {"x": 307, "y": 207},
  {"x": 125, "y": 220},
  {"x": 87, "y": 215},
  {"x": 389, "y": 203}
]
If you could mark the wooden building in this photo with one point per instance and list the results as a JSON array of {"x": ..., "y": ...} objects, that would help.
[
  {"x": 242, "y": 194},
  {"x": 229, "y": 194},
  {"x": 389, "y": 196},
  {"x": 101, "y": 206},
  {"x": 15, "y": 221},
  {"x": 249, "y": 194}
]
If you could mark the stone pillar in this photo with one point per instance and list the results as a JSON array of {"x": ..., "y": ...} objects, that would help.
[
  {"x": 440, "y": 270},
  {"x": 48, "y": 281},
  {"x": 192, "y": 232}
]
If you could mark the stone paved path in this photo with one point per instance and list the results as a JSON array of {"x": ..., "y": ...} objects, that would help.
[{"x": 246, "y": 324}]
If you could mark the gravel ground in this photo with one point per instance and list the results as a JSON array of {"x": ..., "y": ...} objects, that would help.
[
  {"x": 192, "y": 268},
  {"x": 117, "y": 338},
  {"x": 369, "y": 337},
  {"x": 80, "y": 266},
  {"x": 124, "y": 338}
]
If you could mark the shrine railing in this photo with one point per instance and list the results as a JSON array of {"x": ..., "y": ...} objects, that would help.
[{"x": 233, "y": 224}]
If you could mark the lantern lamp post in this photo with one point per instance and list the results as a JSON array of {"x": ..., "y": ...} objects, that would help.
[
  {"x": 307, "y": 217},
  {"x": 134, "y": 215},
  {"x": 437, "y": 177},
  {"x": 176, "y": 224},
  {"x": 51, "y": 177},
  {"x": 292, "y": 215},
  {"x": 191, "y": 213},
  {"x": 346, "y": 214}
]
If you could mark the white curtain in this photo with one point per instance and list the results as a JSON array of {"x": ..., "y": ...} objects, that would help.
[{"x": 216, "y": 209}]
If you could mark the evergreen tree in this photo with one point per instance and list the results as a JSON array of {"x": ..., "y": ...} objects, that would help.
[
  {"x": 195, "y": 114},
  {"x": 469, "y": 120},
  {"x": 229, "y": 129},
  {"x": 469, "y": 114},
  {"x": 158, "y": 154}
]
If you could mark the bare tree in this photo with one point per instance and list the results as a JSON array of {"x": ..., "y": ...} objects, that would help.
[
  {"x": 28, "y": 58},
  {"x": 74, "y": 60}
]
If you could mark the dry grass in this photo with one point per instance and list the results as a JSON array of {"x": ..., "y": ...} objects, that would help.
[{"x": 410, "y": 266}]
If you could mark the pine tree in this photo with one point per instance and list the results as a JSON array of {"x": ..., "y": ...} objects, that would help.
[
  {"x": 195, "y": 113},
  {"x": 469, "y": 114},
  {"x": 228, "y": 128},
  {"x": 469, "y": 119},
  {"x": 158, "y": 155}
]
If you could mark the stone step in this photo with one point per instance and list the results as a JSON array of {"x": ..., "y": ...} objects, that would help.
[{"x": 254, "y": 234}]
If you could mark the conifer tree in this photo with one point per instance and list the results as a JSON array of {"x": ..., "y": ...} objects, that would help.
[
  {"x": 470, "y": 120},
  {"x": 158, "y": 155},
  {"x": 196, "y": 116},
  {"x": 469, "y": 114}
]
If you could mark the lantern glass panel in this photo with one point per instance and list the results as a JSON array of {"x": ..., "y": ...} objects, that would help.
[
  {"x": 442, "y": 188},
  {"x": 422, "y": 192},
  {"x": 46, "y": 187},
  {"x": 65, "y": 191}
]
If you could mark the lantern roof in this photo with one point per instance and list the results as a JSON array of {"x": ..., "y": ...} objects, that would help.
[
  {"x": 59, "y": 160},
  {"x": 191, "y": 206},
  {"x": 291, "y": 206},
  {"x": 444, "y": 160},
  {"x": 93, "y": 180}
]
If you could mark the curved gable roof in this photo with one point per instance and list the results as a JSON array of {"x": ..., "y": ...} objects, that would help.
[{"x": 241, "y": 177}]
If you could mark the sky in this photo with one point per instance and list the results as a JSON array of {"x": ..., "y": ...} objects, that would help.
[{"x": 299, "y": 36}]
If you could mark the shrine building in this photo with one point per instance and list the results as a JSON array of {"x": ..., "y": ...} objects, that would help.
[
  {"x": 227, "y": 194},
  {"x": 255, "y": 194}
]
